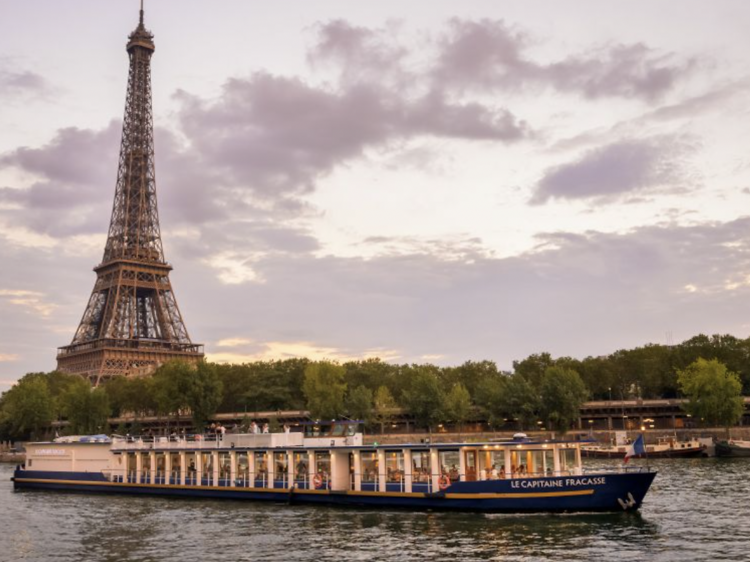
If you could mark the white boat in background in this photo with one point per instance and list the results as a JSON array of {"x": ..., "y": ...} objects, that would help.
[{"x": 666, "y": 447}]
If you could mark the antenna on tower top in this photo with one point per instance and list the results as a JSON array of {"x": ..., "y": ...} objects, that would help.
[{"x": 141, "y": 12}]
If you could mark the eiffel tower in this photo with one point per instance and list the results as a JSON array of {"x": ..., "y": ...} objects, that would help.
[{"x": 132, "y": 322}]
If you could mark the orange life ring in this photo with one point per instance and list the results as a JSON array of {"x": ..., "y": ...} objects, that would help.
[
  {"x": 444, "y": 482},
  {"x": 317, "y": 481}
]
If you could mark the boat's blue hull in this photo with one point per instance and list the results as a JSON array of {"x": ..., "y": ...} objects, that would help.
[{"x": 600, "y": 492}]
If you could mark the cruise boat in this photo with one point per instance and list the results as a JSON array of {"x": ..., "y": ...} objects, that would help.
[
  {"x": 330, "y": 464},
  {"x": 668, "y": 447}
]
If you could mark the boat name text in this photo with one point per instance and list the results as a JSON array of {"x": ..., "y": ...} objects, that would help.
[{"x": 559, "y": 483}]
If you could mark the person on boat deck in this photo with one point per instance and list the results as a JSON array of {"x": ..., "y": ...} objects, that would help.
[
  {"x": 493, "y": 472},
  {"x": 502, "y": 471},
  {"x": 220, "y": 431},
  {"x": 522, "y": 470},
  {"x": 254, "y": 428},
  {"x": 265, "y": 428},
  {"x": 453, "y": 474},
  {"x": 287, "y": 429}
]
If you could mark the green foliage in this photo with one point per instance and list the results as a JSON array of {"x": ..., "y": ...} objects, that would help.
[
  {"x": 383, "y": 406},
  {"x": 562, "y": 393},
  {"x": 324, "y": 389},
  {"x": 471, "y": 375},
  {"x": 520, "y": 401},
  {"x": 136, "y": 395},
  {"x": 206, "y": 394},
  {"x": 458, "y": 404},
  {"x": 262, "y": 386},
  {"x": 179, "y": 386},
  {"x": 27, "y": 408},
  {"x": 424, "y": 397},
  {"x": 713, "y": 392},
  {"x": 490, "y": 397},
  {"x": 359, "y": 404},
  {"x": 86, "y": 408},
  {"x": 533, "y": 367}
]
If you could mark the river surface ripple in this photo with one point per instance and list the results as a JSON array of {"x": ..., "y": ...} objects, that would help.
[{"x": 697, "y": 509}]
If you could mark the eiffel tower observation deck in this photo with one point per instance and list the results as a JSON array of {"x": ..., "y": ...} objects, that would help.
[{"x": 132, "y": 322}]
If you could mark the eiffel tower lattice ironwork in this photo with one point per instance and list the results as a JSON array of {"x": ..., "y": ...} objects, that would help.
[{"x": 132, "y": 322}]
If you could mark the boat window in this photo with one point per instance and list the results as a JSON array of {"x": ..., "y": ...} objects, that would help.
[
  {"x": 568, "y": 460},
  {"x": 145, "y": 466},
  {"x": 491, "y": 464},
  {"x": 260, "y": 464},
  {"x": 207, "y": 465},
  {"x": 369, "y": 466},
  {"x": 420, "y": 461},
  {"x": 535, "y": 463},
  {"x": 449, "y": 464},
  {"x": 300, "y": 466},
  {"x": 242, "y": 464},
  {"x": 280, "y": 466},
  {"x": 191, "y": 465},
  {"x": 338, "y": 430},
  {"x": 161, "y": 464},
  {"x": 549, "y": 462},
  {"x": 394, "y": 466},
  {"x": 323, "y": 464},
  {"x": 351, "y": 429},
  {"x": 225, "y": 466},
  {"x": 174, "y": 463},
  {"x": 131, "y": 465}
]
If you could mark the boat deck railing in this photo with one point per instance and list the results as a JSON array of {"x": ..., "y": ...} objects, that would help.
[{"x": 208, "y": 441}]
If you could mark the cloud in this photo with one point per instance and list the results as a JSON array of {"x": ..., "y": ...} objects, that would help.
[
  {"x": 360, "y": 54},
  {"x": 31, "y": 300},
  {"x": 15, "y": 83},
  {"x": 277, "y": 135},
  {"x": 620, "y": 168},
  {"x": 73, "y": 182},
  {"x": 490, "y": 54},
  {"x": 276, "y": 350}
]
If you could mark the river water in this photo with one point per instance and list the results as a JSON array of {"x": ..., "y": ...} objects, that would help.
[{"x": 697, "y": 509}]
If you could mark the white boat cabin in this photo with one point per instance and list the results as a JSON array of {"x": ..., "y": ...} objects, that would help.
[{"x": 328, "y": 456}]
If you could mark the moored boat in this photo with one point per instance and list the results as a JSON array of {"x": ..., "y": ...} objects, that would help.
[
  {"x": 732, "y": 448},
  {"x": 330, "y": 464},
  {"x": 668, "y": 447}
]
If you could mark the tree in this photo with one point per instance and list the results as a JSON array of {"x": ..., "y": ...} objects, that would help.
[
  {"x": 533, "y": 367},
  {"x": 489, "y": 396},
  {"x": 180, "y": 386},
  {"x": 562, "y": 393},
  {"x": 520, "y": 401},
  {"x": 714, "y": 393},
  {"x": 27, "y": 408},
  {"x": 424, "y": 397},
  {"x": 383, "y": 407},
  {"x": 359, "y": 404},
  {"x": 85, "y": 408},
  {"x": 324, "y": 389},
  {"x": 205, "y": 395},
  {"x": 471, "y": 375},
  {"x": 458, "y": 404}
]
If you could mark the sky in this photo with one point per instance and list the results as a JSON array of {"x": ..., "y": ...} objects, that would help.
[{"x": 432, "y": 181}]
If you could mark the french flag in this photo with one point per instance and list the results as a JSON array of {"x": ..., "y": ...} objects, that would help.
[{"x": 635, "y": 448}]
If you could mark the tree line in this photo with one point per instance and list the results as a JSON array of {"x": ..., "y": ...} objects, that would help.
[{"x": 539, "y": 389}]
